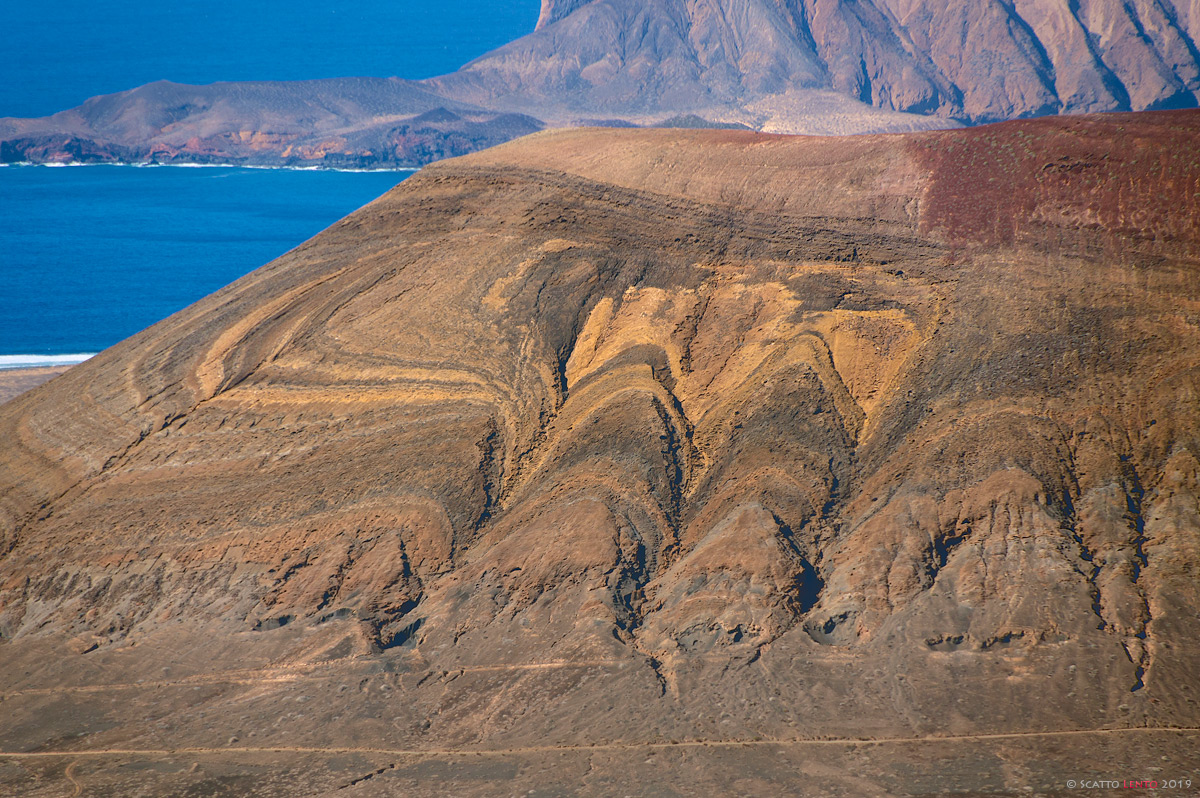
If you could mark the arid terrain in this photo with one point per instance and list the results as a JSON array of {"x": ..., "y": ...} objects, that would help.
[
  {"x": 14, "y": 382},
  {"x": 642, "y": 462},
  {"x": 825, "y": 67}
]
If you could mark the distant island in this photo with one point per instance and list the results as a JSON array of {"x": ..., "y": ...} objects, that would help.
[{"x": 785, "y": 67}]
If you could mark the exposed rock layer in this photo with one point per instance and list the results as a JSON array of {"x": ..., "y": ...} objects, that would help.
[{"x": 607, "y": 445}]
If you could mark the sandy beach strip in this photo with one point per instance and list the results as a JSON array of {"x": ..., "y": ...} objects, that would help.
[{"x": 14, "y": 382}]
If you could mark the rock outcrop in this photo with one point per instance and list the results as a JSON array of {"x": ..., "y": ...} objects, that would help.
[{"x": 637, "y": 461}]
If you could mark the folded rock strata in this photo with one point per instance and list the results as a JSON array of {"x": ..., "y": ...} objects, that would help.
[{"x": 605, "y": 440}]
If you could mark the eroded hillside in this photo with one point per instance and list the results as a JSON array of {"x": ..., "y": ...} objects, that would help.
[{"x": 641, "y": 460}]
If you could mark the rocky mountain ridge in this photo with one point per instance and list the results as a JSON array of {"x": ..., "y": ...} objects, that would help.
[
  {"x": 974, "y": 62},
  {"x": 640, "y": 461},
  {"x": 788, "y": 66}
]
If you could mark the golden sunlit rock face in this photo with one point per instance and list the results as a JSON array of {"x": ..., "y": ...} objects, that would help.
[{"x": 607, "y": 445}]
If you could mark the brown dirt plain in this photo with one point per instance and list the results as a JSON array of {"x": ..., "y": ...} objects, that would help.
[
  {"x": 615, "y": 462},
  {"x": 14, "y": 382}
]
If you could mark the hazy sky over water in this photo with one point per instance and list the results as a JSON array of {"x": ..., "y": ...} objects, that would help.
[{"x": 53, "y": 56}]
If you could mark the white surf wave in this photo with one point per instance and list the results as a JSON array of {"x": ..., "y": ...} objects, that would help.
[
  {"x": 38, "y": 361},
  {"x": 147, "y": 165}
]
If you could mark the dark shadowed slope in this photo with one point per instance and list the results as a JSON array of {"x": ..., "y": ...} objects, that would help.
[{"x": 641, "y": 461}]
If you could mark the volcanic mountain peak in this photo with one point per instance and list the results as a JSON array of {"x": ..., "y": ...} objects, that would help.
[
  {"x": 976, "y": 61},
  {"x": 606, "y": 447}
]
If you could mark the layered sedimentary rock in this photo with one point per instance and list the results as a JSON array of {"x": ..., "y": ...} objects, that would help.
[{"x": 623, "y": 462}]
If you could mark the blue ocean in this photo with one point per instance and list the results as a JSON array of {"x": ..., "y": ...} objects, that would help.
[
  {"x": 91, "y": 254},
  {"x": 54, "y": 56}
]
